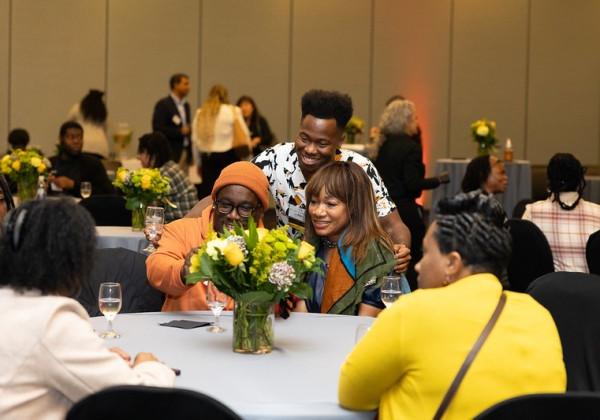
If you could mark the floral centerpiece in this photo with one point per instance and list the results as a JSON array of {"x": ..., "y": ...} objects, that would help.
[
  {"x": 257, "y": 268},
  {"x": 484, "y": 134},
  {"x": 141, "y": 187},
  {"x": 24, "y": 168},
  {"x": 355, "y": 126}
]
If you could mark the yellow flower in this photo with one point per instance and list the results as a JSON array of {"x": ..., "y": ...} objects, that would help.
[
  {"x": 6, "y": 159},
  {"x": 41, "y": 168},
  {"x": 262, "y": 232},
  {"x": 233, "y": 254},
  {"x": 122, "y": 175},
  {"x": 146, "y": 182},
  {"x": 305, "y": 251},
  {"x": 195, "y": 263},
  {"x": 482, "y": 130},
  {"x": 16, "y": 165},
  {"x": 35, "y": 161}
]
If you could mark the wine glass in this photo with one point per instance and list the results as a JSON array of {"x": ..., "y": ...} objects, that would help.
[
  {"x": 216, "y": 302},
  {"x": 361, "y": 330},
  {"x": 109, "y": 301},
  {"x": 155, "y": 219},
  {"x": 390, "y": 290},
  {"x": 85, "y": 189}
]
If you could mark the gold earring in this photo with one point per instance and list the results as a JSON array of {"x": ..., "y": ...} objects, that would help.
[{"x": 446, "y": 281}]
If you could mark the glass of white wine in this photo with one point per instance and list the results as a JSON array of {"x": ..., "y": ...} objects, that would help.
[
  {"x": 109, "y": 301},
  {"x": 390, "y": 290},
  {"x": 85, "y": 189},
  {"x": 154, "y": 222},
  {"x": 216, "y": 302}
]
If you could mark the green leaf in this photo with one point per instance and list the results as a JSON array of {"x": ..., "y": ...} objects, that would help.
[
  {"x": 256, "y": 297},
  {"x": 252, "y": 234},
  {"x": 303, "y": 290}
]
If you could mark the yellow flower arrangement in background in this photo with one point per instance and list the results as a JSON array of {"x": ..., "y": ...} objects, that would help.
[
  {"x": 484, "y": 134},
  {"x": 142, "y": 187}
]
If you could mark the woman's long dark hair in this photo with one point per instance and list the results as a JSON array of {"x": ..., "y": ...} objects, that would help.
[
  {"x": 478, "y": 171},
  {"x": 158, "y": 148},
  {"x": 565, "y": 174},
  {"x": 255, "y": 117},
  {"x": 93, "y": 108}
]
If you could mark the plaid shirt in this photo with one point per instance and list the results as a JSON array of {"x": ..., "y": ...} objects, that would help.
[
  {"x": 567, "y": 231},
  {"x": 183, "y": 193}
]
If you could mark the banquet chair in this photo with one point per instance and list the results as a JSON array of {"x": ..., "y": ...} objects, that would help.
[
  {"x": 149, "y": 403},
  {"x": 520, "y": 208},
  {"x": 571, "y": 405},
  {"x": 592, "y": 252},
  {"x": 107, "y": 210},
  {"x": 531, "y": 255},
  {"x": 123, "y": 266},
  {"x": 572, "y": 300}
]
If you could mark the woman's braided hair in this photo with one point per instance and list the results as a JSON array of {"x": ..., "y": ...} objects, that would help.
[
  {"x": 565, "y": 174},
  {"x": 473, "y": 224}
]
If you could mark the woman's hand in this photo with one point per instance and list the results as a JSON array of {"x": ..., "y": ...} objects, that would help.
[
  {"x": 144, "y": 357},
  {"x": 121, "y": 353},
  {"x": 402, "y": 257}
]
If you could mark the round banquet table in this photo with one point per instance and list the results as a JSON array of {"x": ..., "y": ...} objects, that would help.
[
  {"x": 297, "y": 380},
  {"x": 120, "y": 237}
]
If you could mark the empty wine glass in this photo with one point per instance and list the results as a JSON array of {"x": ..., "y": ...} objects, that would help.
[
  {"x": 216, "y": 302},
  {"x": 109, "y": 301},
  {"x": 390, "y": 290},
  {"x": 85, "y": 189},
  {"x": 154, "y": 222}
]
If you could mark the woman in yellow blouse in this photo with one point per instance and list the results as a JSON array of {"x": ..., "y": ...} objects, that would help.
[{"x": 406, "y": 362}]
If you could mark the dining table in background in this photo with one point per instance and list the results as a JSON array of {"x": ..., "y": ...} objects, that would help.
[
  {"x": 120, "y": 237},
  {"x": 297, "y": 380},
  {"x": 519, "y": 182}
]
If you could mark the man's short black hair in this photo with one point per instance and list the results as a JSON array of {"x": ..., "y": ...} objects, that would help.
[
  {"x": 18, "y": 138},
  {"x": 326, "y": 104},
  {"x": 66, "y": 125},
  {"x": 157, "y": 146},
  {"x": 176, "y": 78}
]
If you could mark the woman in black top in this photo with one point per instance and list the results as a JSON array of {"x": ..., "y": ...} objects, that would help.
[
  {"x": 260, "y": 132},
  {"x": 400, "y": 164}
]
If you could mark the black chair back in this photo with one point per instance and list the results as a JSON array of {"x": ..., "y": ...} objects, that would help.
[
  {"x": 128, "y": 268},
  {"x": 592, "y": 252},
  {"x": 572, "y": 300},
  {"x": 531, "y": 254},
  {"x": 149, "y": 403},
  {"x": 572, "y": 405},
  {"x": 107, "y": 210},
  {"x": 520, "y": 208}
]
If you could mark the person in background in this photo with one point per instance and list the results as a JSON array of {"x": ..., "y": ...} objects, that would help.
[
  {"x": 375, "y": 131},
  {"x": 6, "y": 200},
  {"x": 70, "y": 166},
  {"x": 289, "y": 166},
  {"x": 154, "y": 152},
  {"x": 91, "y": 114},
  {"x": 260, "y": 132},
  {"x": 18, "y": 138},
  {"x": 240, "y": 191},
  {"x": 485, "y": 173},
  {"x": 405, "y": 363},
  {"x": 400, "y": 163},
  {"x": 213, "y": 133},
  {"x": 171, "y": 117},
  {"x": 566, "y": 219},
  {"x": 54, "y": 357},
  {"x": 343, "y": 226}
]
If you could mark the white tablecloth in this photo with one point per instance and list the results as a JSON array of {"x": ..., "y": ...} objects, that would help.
[
  {"x": 298, "y": 380},
  {"x": 120, "y": 236}
]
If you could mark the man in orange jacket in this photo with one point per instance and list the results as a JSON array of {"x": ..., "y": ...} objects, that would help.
[{"x": 241, "y": 191}]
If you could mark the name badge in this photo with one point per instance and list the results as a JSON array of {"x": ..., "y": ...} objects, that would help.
[
  {"x": 176, "y": 119},
  {"x": 296, "y": 215}
]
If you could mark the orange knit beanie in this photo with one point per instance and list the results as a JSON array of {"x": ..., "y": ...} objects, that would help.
[{"x": 247, "y": 175}]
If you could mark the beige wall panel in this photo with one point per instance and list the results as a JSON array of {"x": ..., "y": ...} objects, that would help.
[
  {"x": 4, "y": 71},
  {"x": 57, "y": 54},
  {"x": 564, "y": 80},
  {"x": 331, "y": 50},
  {"x": 489, "y": 70},
  {"x": 245, "y": 47},
  {"x": 148, "y": 41},
  {"x": 411, "y": 58}
]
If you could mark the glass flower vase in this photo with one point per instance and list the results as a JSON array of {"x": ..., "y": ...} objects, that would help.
[
  {"x": 252, "y": 327},
  {"x": 26, "y": 189},
  {"x": 137, "y": 218},
  {"x": 484, "y": 149}
]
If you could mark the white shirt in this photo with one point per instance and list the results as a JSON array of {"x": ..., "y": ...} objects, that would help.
[
  {"x": 50, "y": 358},
  {"x": 223, "y": 132}
]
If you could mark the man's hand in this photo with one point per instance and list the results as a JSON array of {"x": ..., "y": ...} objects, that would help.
[
  {"x": 402, "y": 257},
  {"x": 157, "y": 237},
  {"x": 185, "y": 130},
  {"x": 144, "y": 357},
  {"x": 63, "y": 182},
  {"x": 185, "y": 270}
]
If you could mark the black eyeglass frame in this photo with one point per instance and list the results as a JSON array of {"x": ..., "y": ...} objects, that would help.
[{"x": 246, "y": 212}]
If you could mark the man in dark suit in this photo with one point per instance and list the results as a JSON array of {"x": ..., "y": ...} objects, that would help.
[{"x": 172, "y": 117}]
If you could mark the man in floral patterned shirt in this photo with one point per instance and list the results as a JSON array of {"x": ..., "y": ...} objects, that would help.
[{"x": 289, "y": 166}]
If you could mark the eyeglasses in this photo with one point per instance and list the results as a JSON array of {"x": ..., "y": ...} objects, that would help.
[{"x": 243, "y": 210}]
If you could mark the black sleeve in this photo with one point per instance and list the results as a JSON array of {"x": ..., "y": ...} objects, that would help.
[
  {"x": 99, "y": 179},
  {"x": 413, "y": 170},
  {"x": 430, "y": 183},
  {"x": 266, "y": 135}
]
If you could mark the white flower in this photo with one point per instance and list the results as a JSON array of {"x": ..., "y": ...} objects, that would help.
[
  {"x": 282, "y": 275},
  {"x": 482, "y": 130},
  {"x": 215, "y": 247}
]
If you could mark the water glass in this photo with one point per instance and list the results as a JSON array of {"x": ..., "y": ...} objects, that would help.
[
  {"x": 109, "y": 301},
  {"x": 154, "y": 222},
  {"x": 390, "y": 290},
  {"x": 85, "y": 189},
  {"x": 216, "y": 302}
]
